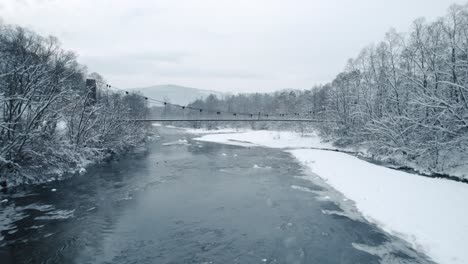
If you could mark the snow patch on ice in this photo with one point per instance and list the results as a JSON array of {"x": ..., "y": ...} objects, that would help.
[
  {"x": 214, "y": 131},
  {"x": 274, "y": 139},
  {"x": 178, "y": 142}
]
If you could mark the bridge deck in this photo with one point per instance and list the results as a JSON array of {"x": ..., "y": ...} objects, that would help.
[{"x": 232, "y": 120}]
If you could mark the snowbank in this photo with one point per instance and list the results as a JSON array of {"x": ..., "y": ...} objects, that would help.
[
  {"x": 429, "y": 213},
  {"x": 217, "y": 131},
  {"x": 272, "y": 139}
]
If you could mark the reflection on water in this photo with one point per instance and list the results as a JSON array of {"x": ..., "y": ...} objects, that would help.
[{"x": 189, "y": 202}]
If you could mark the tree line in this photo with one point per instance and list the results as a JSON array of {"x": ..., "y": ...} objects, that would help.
[
  {"x": 405, "y": 97},
  {"x": 49, "y": 118}
]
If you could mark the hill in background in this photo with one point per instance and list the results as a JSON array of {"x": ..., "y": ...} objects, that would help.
[{"x": 177, "y": 94}]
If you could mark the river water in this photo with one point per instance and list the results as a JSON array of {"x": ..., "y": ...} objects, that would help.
[{"x": 184, "y": 201}]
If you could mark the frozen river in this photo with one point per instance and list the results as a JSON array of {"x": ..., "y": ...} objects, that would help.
[{"x": 185, "y": 201}]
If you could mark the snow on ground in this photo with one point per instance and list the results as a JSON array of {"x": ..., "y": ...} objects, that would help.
[
  {"x": 429, "y": 213},
  {"x": 61, "y": 127},
  {"x": 272, "y": 139},
  {"x": 217, "y": 131},
  {"x": 460, "y": 171}
]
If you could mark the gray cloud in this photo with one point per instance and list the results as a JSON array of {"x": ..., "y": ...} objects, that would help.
[
  {"x": 208, "y": 73},
  {"x": 172, "y": 57},
  {"x": 164, "y": 64},
  {"x": 241, "y": 45}
]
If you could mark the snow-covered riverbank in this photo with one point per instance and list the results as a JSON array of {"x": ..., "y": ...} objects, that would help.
[
  {"x": 68, "y": 162},
  {"x": 429, "y": 213}
]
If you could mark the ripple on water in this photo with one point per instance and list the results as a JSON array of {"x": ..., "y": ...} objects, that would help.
[
  {"x": 57, "y": 214},
  {"x": 10, "y": 214},
  {"x": 37, "y": 207}
]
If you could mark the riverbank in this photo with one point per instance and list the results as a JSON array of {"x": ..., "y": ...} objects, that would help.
[
  {"x": 67, "y": 161},
  {"x": 303, "y": 140},
  {"x": 426, "y": 212}
]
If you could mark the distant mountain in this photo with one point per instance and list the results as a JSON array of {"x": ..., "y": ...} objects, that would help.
[{"x": 176, "y": 94}]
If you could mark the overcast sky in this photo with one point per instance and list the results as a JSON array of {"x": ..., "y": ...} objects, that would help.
[{"x": 224, "y": 45}]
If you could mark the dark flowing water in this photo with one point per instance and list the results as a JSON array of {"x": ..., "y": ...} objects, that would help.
[{"x": 188, "y": 202}]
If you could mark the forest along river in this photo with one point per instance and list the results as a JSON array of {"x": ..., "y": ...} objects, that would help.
[{"x": 185, "y": 201}]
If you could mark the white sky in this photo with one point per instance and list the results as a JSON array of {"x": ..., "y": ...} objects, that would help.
[{"x": 224, "y": 45}]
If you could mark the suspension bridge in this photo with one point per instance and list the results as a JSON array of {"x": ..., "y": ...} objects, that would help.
[
  {"x": 210, "y": 115},
  {"x": 229, "y": 120}
]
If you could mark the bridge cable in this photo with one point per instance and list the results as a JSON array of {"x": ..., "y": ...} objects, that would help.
[{"x": 201, "y": 110}]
